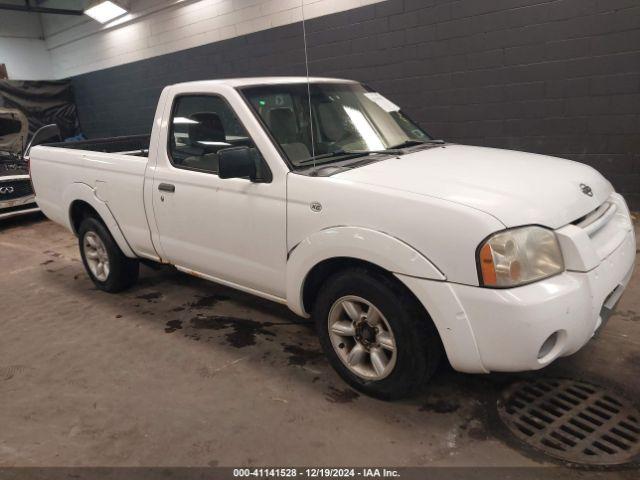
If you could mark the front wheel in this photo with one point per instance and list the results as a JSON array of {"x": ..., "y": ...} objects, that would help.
[
  {"x": 109, "y": 268},
  {"x": 376, "y": 334}
]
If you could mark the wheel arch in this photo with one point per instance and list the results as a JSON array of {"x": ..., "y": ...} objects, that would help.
[
  {"x": 326, "y": 268},
  {"x": 322, "y": 254},
  {"x": 78, "y": 211},
  {"x": 83, "y": 202}
]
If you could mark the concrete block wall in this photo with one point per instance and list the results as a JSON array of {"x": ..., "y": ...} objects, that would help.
[{"x": 559, "y": 77}]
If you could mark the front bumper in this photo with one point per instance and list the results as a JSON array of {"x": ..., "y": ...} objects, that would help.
[
  {"x": 486, "y": 330},
  {"x": 20, "y": 200},
  {"x": 19, "y": 206}
]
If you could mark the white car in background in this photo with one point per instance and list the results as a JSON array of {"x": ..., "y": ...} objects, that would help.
[
  {"x": 16, "y": 193},
  {"x": 339, "y": 206}
]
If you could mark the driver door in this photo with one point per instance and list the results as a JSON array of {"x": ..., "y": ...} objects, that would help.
[{"x": 229, "y": 230}]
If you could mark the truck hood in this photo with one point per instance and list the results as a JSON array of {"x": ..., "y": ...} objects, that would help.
[{"x": 515, "y": 187}]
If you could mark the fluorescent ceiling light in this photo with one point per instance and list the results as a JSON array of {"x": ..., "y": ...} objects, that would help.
[{"x": 105, "y": 11}]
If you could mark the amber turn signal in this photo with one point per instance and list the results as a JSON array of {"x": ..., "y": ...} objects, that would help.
[{"x": 486, "y": 265}]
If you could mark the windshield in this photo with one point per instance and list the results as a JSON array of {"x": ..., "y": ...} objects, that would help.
[{"x": 347, "y": 118}]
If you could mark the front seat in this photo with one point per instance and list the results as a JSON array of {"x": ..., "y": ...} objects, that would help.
[
  {"x": 284, "y": 128},
  {"x": 337, "y": 129},
  {"x": 207, "y": 136}
]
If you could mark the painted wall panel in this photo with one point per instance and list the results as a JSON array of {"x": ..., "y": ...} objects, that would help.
[
  {"x": 22, "y": 48},
  {"x": 79, "y": 45}
]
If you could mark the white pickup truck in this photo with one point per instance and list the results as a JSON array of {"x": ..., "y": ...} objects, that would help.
[{"x": 325, "y": 197}]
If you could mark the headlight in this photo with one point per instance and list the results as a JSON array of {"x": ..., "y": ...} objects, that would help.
[{"x": 518, "y": 256}]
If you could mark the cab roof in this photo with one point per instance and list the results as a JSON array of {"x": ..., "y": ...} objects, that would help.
[{"x": 255, "y": 81}]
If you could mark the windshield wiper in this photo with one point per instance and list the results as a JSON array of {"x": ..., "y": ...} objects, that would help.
[
  {"x": 415, "y": 143},
  {"x": 395, "y": 150},
  {"x": 346, "y": 153}
]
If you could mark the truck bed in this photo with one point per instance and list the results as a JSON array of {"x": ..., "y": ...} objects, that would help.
[
  {"x": 107, "y": 173},
  {"x": 136, "y": 145}
]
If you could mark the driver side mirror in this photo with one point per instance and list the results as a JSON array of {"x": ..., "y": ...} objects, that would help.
[{"x": 239, "y": 162}]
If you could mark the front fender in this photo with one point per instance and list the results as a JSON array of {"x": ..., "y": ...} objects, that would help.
[
  {"x": 372, "y": 246},
  {"x": 82, "y": 191}
]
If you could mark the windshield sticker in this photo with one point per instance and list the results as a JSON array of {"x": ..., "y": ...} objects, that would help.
[{"x": 384, "y": 103}]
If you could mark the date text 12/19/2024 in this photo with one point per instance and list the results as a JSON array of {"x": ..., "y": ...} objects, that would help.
[{"x": 315, "y": 473}]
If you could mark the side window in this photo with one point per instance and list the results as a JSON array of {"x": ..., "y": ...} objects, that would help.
[{"x": 201, "y": 126}]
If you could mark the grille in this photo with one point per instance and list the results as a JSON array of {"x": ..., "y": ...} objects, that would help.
[
  {"x": 21, "y": 188},
  {"x": 572, "y": 421},
  {"x": 597, "y": 219},
  {"x": 591, "y": 215}
]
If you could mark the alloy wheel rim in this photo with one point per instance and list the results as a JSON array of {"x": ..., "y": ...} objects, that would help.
[
  {"x": 96, "y": 254},
  {"x": 362, "y": 338}
]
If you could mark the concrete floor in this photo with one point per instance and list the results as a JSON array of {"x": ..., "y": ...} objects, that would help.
[{"x": 182, "y": 372}]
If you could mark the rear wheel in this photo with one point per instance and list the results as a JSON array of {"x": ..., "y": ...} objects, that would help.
[
  {"x": 375, "y": 333},
  {"x": 109, "y": 268}
]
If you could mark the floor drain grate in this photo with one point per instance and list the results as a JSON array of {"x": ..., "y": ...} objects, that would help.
[{"x": 572, "y": 421}]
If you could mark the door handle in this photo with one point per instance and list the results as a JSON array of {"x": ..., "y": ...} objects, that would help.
[{"x": 167, "y": 187}]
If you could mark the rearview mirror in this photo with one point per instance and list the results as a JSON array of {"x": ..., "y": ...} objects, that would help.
[{"x": 239, "y": 162}]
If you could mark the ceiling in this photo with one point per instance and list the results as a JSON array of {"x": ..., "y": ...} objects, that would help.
[{"x": 69, "y": 7}]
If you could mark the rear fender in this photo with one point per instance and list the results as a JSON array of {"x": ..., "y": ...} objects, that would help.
[{"x": 82, "y": 191}]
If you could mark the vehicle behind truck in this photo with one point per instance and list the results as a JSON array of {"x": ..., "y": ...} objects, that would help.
[
  {"x": 323, "y": 195},
  {"x": 16, "y": 194}
]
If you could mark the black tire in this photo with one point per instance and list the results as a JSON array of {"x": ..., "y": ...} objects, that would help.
[
  {"x": 123, "y": 271},
  {"x": 418, "y": 345}
]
